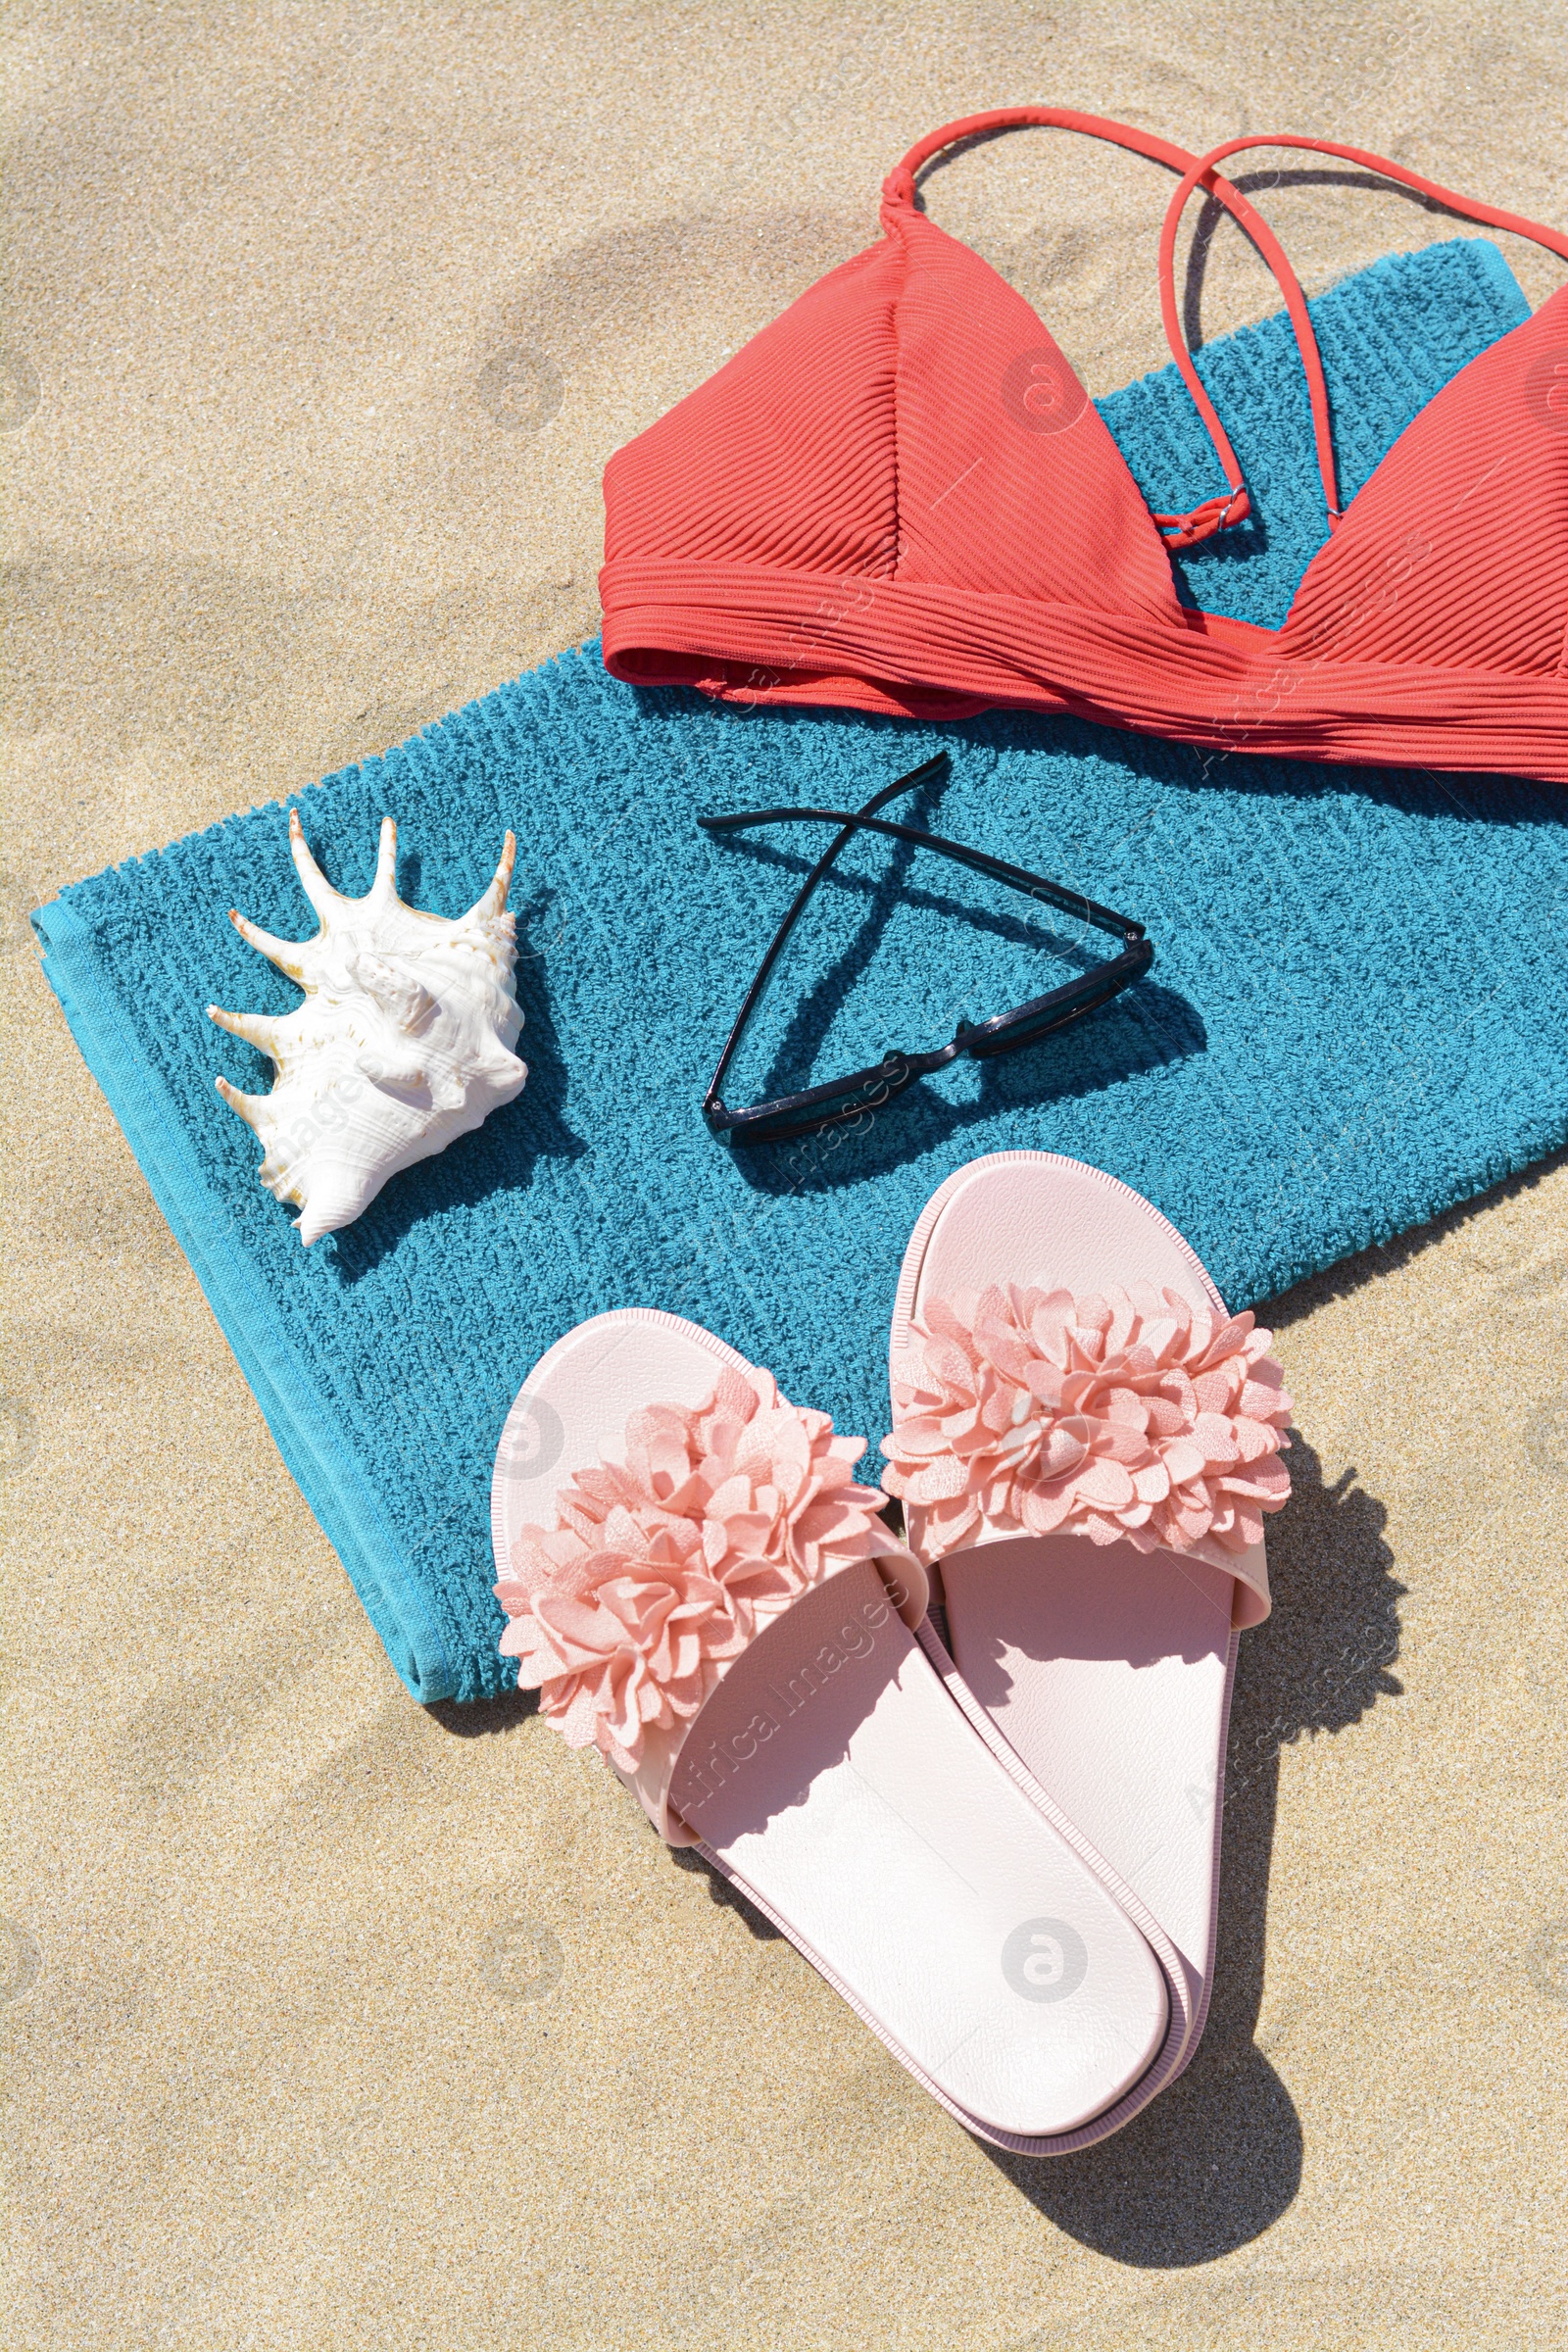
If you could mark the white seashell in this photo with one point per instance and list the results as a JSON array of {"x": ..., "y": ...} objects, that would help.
[{"x": 403, "y": 1042}]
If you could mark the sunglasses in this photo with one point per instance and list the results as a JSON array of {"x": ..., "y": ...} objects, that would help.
[{"x": 844, "y": 1100}]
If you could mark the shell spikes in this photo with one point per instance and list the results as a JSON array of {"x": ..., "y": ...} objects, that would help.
[
  {"x": 403, "y": 1040},
  {"x": 488, "y": 905}
]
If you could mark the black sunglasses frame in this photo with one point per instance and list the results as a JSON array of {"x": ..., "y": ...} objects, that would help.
[{"x": 818, "y": 1108}]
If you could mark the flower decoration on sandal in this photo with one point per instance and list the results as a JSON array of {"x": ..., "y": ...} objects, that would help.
[
  {"x": 1129, "y": 1417},
  {"x": 626, "y": 1614}
]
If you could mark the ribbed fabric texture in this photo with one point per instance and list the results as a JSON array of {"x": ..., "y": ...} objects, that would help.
[
  {"x": 1025, "y": 571},
  {"x": 1358, "y": 1015}
]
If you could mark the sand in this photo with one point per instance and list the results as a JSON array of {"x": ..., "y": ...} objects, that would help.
[{"x": 333, "y": 2022}]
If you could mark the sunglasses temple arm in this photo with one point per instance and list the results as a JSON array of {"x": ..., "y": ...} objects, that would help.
[
  {"x": 1067, "y": 902},
  {"x": 753, "y": 995},
  {"x": 925, "y": 774}
]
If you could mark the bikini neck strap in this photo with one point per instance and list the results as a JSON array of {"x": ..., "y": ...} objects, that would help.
[
  {"x": 1199, "y": 174},
  {"x": 1211, "y": 513}
]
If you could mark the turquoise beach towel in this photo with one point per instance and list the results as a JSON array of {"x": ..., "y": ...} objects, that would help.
[{"x": 1358, "y": 1013}]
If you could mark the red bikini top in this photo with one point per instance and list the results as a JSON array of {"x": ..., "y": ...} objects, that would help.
[{"x": 899, "y": 498}]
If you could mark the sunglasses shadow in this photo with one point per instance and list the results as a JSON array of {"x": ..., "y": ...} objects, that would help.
[{"x": 1147, "y": 1027}]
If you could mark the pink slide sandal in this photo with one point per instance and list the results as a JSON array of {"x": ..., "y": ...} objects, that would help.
[
  {"x": 696, "y": 1587},
  {"x": 1085, "y": 1442}
]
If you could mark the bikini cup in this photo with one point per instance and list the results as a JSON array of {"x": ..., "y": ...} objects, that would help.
[{"x": 898, "y": 497}]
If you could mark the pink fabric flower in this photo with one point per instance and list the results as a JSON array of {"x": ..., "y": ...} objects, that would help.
[
  {"x": 626, "y": 1614},
  {"x": 1134, "y": 1417}
]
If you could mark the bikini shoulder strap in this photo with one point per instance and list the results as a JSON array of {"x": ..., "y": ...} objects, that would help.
[
  {"x": 1199, "y": 174},
  {"x": 1211, "y": 513}
]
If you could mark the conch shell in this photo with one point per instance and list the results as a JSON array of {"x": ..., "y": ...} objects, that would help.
[{"x": 403, "y": 1042}]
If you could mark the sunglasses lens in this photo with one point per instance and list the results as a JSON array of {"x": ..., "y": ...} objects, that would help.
[
  {"x": 1028, "y": 1022},
  {"x": 1009, "y": 1034},
  {"x": 832, "y": 1107}
]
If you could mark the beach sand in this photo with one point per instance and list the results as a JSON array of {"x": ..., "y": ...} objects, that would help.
[{"x": 331, "y": 2021}]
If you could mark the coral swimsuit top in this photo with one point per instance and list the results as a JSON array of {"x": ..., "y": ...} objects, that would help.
[{"x": 899, "y": 498}]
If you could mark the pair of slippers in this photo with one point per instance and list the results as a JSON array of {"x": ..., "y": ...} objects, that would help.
[{"x": 973, "y": 1773}]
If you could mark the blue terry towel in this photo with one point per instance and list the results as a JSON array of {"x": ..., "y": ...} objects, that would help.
[{"x": 1358, "y": 1015}]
